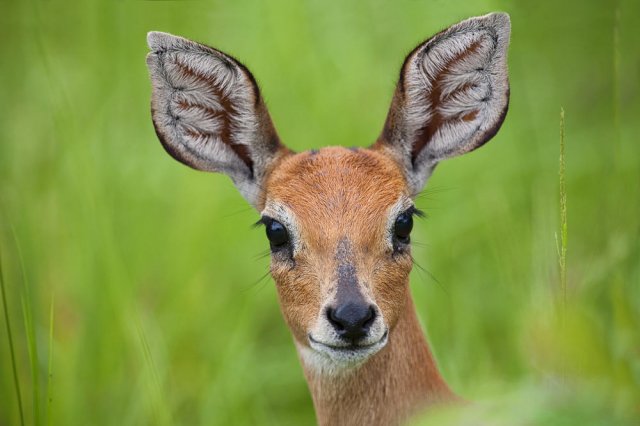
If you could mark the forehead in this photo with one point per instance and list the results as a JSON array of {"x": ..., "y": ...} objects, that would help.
[{"x": 337, "y": 183}]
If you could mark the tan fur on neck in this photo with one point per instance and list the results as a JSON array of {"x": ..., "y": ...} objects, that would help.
[{"x": 394, "y": 384}]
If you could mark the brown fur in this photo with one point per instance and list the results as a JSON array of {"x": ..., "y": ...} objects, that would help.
[
  {"x": 340, "y": 206},
  {"x": 394, "y": 384},
  {"x": 338, "y": 193}
]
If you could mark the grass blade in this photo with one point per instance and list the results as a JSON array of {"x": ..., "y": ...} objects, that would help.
[
  {"x": 50, "y": 366},
  {"x": 162, "y": 415},
  {"x": 616, "y": 84},
  {"x": 11, "y": 348},
  {"x": 563, "y": 215},
  {"x": 32, "y": 344}
]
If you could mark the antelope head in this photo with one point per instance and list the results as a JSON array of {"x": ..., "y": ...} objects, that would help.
[{"x": 338, "y": 220}]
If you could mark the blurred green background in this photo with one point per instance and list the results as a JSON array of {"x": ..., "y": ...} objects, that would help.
[{"x": 135, "y": 286}]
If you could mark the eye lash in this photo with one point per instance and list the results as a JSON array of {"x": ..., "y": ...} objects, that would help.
[
  {"x": 414, "y": 211},
  {"x": 264, "y": 220}
]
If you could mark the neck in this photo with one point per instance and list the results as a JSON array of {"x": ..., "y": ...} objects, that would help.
[{"x": 389, "y": 387}]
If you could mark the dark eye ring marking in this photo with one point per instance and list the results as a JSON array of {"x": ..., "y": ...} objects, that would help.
[
  {"x": 276, "y": 232},
  {"x": 404, "y": 224}
]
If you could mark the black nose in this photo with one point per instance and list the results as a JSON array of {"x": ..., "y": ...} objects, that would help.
[{"x": 352, "y": 320}]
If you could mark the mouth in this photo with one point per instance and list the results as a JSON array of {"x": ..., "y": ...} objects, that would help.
[{"x": 349, "y": 353}]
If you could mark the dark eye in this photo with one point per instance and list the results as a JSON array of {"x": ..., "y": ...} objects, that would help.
[
  {"x": 403, "y": 227},
  {"x": 276, "y": 233}
]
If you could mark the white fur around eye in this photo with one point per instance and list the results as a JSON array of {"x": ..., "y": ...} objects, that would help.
[
  {"x": 403, "y": 204},
  {"x": 285, "y": 216}
]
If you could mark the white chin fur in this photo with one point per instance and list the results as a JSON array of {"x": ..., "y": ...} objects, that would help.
[{"x": 330, "y": 360}]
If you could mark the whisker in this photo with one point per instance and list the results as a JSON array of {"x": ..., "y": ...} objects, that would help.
[
  {"x": 259, "y": 284},
  {"x": 263, "y": 254},
  {"x": 420, "y": 244},
  {"x": 420, "y": 268},
  {"x": 434, "y": 190},
  {"x": 237, "y": 212}
]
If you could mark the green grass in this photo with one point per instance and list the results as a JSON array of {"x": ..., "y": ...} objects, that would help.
[
  {"x": 16, "y": 379},
  {"x": 160, "y": 314},
  {"x": 30, "y": 335},
  {"x": 562, "y": 247},
  {"x": 50, "y": 366}
]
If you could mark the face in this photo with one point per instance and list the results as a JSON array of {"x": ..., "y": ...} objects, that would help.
[{"x": 338, "y": 221}]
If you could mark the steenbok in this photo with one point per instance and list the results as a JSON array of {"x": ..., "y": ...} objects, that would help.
[{"x": 339, "y": 220}]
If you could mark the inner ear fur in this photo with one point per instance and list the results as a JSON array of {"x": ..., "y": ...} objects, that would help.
[
  {"x": 208, "y": 112},
  {"x": 451, "y": 98}
]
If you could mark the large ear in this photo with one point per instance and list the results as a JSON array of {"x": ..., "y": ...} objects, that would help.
[
  {"x": 452, "y": 96},
  {"x": 208, "y": 113}
]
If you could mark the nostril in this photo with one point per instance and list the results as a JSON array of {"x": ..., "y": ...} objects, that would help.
[
  {"x": 331, "y": 316},
  {"x": 370, "y": 318}
]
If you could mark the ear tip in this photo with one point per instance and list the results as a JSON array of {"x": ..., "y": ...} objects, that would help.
[
  {"x": 502, "y": 18},
  {"x": 153, "y": 39},
  {"x": 499, "y": 19},
  {"x": 158, "y": 40}
]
